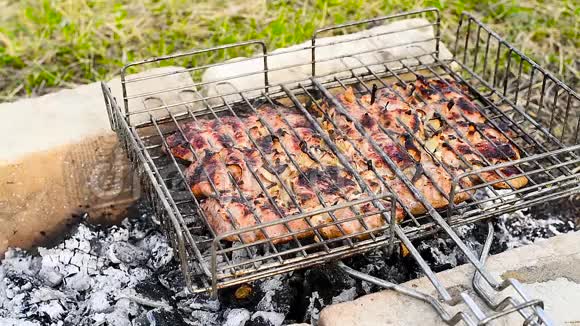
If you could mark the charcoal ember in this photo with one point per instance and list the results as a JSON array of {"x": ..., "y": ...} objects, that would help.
[
  {"x": 112, "y": 279},
  {"x": 51, "y": 305},
  {"x": 201, "y": 301},
  {"x": 123, "y": 252},
  {"x": 439, "y": 254},
  {"x": 16, "y": 322},
  {"x": 236, "y": 317},
  {"x": 267, "y": 318},
  {"x": 277, "y": 295},
  {"x": 378, "y": 263},
  {"x": 100, "y": 302},
  {"x": 199, "y": 309},
  {"x": 314, "y": 307},
  {"x": 171, "y": 277},
  {"x": 328, "y": 280},
  {"x": 202, "y": 318},
  {"x": 79, "y": 282},
  {"x": 121, "y": 314},
  {"x": 159, "y": 249},
  {"x": 18, "y": 263},
  {"x": 117, "y": 234},
  {"x": 159, "y": 317},
  {"x": 345, "y": 295},
  {"x": 152, "y": 288}
]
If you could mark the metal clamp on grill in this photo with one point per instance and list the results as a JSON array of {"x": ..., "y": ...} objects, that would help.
[{"x": 282, "y": 164}]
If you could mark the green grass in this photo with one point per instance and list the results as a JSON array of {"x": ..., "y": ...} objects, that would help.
[{"x": 46, "y": 45}]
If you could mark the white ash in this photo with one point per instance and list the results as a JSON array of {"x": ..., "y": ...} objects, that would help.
[
  {"x": 127, "y": 275},
  {"x": 88, "y": 279},
  {"x": 268, "y": 317},
  {"x": 345, "y": 295},
  {"x": 237, "y": 317},
  {"x": 269, "y": 288},
  {"x": 314, "y": 307}
]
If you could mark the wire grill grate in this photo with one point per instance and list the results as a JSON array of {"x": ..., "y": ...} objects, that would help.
[{"x": 537, "y": 113}]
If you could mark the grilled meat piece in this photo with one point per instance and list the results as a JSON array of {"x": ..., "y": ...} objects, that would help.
[
  {"x": 349, "y": 220},
  {"x": 402, "y": 148},
  {"x": 226, "y": 214},
  {"x": 203, "y": 135},
  {"x": 429, "y": 129},
  {"x": 470, "y": 146},
  {"x": 443, "y": 99},
  {"x": 228, "y": 170},
  {"x": 332, "y": 184}
]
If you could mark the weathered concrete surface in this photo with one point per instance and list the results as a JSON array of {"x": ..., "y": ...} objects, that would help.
[
  {"x": 404, "y": 39},
  {"x": 59, "y": 156},
  {"x": 549, "y": 270}
]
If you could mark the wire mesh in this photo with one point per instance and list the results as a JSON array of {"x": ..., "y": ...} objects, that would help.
[{"x": 529, "y": 108}]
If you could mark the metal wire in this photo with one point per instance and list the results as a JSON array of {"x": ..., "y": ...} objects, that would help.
[{"x": 530, "y": 123}]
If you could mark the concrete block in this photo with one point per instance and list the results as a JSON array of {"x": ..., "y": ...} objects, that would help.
[
  {"x": 402, "y": 39},
  {"x": 59, "y": 157},
  {"x": 548, "y": 269}
]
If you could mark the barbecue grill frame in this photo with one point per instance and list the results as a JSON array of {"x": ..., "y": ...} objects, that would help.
[{"x": 564, "y": 158}]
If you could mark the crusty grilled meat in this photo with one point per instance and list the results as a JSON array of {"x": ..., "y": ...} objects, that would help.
[
  {"x": 423, "y": 127},
  {"x": 402, "y": 148},
  {"x": 353, "y": 216},
  {"x": 203, "y": 135},
  {"x": 469, "y": 146},
  {"x": 226, "y": 214},
  {"x": 227, "y": 170}
]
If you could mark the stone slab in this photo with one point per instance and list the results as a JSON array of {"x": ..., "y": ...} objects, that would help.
[
  {"x": 404, "y": 40},
  {"x": 548, "y": 269},
  {"x": 60, "y": 157}
]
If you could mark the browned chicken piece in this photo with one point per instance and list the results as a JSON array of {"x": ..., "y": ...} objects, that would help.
[
  {"x": 353, "y": 217},
  {"x": 226, "y": 214},
  {"x": 402, "y": 148},
  {"x": 438, "y": 90},
  {"x": 333, "y": 184},
  {"x": 396, "y": 151},
  {"x": 275, "y": 118},
  {"x": 496, "y": 150},
  {"x": 202, "y": 135},
  {"x": 194, "y": 133},
  {"x": 386, "y": 96},
  {"x": 309, "y": 147},
  {"x": 221, "y": 171},
  {"x": 442, "y": 100},
  {"x": 399, "y": 118}
]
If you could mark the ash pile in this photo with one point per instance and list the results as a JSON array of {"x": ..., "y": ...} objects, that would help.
[{"x": 126, "y": 275}]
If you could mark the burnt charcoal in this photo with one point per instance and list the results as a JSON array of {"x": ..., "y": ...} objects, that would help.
[
  {"x": 202, "y": 318},
  {"x": 159, "y": 248},
  {"x": 159, "y": 317},
  {"x": 328, "y": 280},
  {"x": 152, "y": 288},
  {"x": 123, "y": 252},
  {"x": 236, "y": 317},
  {"x": 277, "y": 295},
  {"x": 128, "y": 275},
  {"x": 394, "y": 268},
  {"x": 201, "y": 301},
  {"x": 314, "y": 306},
  {"x": 264, "y": 318},
  {"x": 170, "y": 277}
]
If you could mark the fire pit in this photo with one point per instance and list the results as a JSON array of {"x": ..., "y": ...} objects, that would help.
[
  {"x": 270, "y": 282},
  {"x": 126, "y": 274}
]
